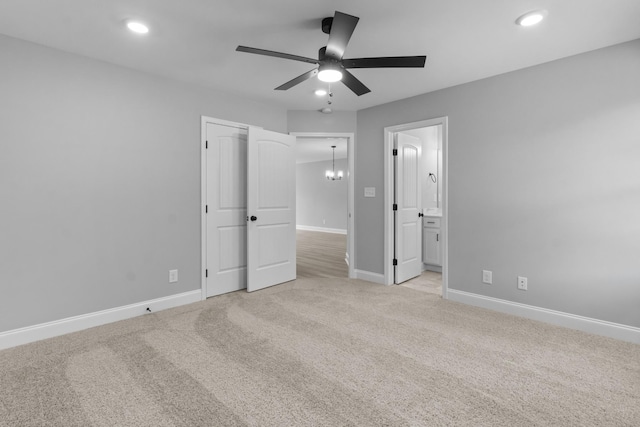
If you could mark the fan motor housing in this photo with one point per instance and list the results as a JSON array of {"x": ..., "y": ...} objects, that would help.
[
  {"x": 322, "y": 53},
  {"x": 326, "y": 24}
]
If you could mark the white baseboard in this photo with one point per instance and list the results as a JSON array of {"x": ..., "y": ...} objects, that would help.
[
  {"x": 77, "y": 323},
  {"x": 567, "y": 320},
  {"x": 370, "y": 277},
  {"x": 429, "y": 267},
  {"x": 321, "y": 229}
]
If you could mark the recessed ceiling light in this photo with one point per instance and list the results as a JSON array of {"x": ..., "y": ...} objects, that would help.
[
  {"x": 531, "y": 18},
  {"x": 320, "y": 92},
  {"x": 137, "y": 27}
]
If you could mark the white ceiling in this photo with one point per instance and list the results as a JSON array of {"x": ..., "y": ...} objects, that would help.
[
  {"x": 317, "y": 149},
  {"x": 195, "y": 40}
]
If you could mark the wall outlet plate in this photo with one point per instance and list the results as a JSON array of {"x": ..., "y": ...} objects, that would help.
[
  {"x": 522, "y": 283},
  {"x": 487, "y": 277}
]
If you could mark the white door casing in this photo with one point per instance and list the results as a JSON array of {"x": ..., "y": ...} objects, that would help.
[
  {"x": 226, "y": 195},
  {"x": 271, "y": 209},
  {"x": 389, "y": 229},
  {"x": 408, "y": 198}
]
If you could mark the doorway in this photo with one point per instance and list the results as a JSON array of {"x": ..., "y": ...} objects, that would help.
[
  {"x": 434, "y": 205},
  {"x": 325, "y": 202}
]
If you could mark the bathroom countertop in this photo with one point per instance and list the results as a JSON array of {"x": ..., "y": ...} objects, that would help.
[{"x": 435, "y": 212}]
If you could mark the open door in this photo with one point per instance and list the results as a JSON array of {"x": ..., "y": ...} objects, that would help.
[
  {"x": 226, "y": 208},
  {"x": 271, "y": 209},
  {"x": 408, "y": 213}
]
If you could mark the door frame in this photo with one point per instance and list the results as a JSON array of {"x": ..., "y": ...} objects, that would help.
[
  {"x": 389, "y": 132},
  {"x": 203, "y": 193},
  {"x": 351, "y": 244}
]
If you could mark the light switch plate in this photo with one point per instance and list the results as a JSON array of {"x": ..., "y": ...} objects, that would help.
[
  {"x": 173, "y": 276},
  {"x": 487, "y": 277},
  {"x": 369, "y": 191}
]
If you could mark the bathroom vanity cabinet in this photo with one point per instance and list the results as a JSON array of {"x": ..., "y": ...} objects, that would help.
[{"x": 431, "y": 241}]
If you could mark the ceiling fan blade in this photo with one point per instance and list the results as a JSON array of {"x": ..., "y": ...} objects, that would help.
[
  {"x": 354, "y": 84},
  {"x": 386, "y": 62},
  {"x": 341, "y": 30},
  {"x": 297, "y": 80},
  {"x": 276, "y": 54}
]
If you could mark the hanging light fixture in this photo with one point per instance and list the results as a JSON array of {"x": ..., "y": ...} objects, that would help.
[{"x": 331, "y": 174}]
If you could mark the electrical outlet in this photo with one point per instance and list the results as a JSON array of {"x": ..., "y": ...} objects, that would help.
[
  {"x": 173, "y": 276},
  {"x": 522, "y": 283},
  {"x": 487, "y": 277}
]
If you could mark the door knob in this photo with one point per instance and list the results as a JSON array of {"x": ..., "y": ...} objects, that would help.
[{"x": 253, "y": 218}]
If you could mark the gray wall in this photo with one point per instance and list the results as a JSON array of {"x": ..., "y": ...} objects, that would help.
[
  {"x": 320, "y": 202},
  {"x": 315, "y": 121},
  {"x": 544, "y": 182},
  {"x": 99, "y": 182}
]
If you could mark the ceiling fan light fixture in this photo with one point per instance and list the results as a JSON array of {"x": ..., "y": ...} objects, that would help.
[
  {"x": 531, "y": 18},
  {"x": 332, "y": 66},
  {"x": 329, "y": 74}
]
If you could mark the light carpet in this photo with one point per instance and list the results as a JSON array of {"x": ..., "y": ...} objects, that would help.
[{"x": 323, "y": 352}]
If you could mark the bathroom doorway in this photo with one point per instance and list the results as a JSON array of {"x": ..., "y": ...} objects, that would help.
[{"x": 424, "y": 179}]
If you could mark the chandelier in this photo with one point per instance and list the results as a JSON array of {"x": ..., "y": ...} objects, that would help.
[{"x": 331, "y": 174}]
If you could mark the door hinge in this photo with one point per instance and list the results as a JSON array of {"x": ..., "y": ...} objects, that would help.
[
  {"x": 395, "y": 261},
  {"x": 395, "y": 151},
  {"x": 206, "y": 208},
  {"x": 206, "y": 145},
  {"x": 395, "y": 206},
  {"x": 206, "y": 273}
]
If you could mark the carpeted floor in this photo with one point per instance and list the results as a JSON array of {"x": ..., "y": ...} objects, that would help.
[{"x": 323, "y": 352}]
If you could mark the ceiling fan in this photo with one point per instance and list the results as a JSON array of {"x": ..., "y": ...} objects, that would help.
[{"x": 332, "y": 66}]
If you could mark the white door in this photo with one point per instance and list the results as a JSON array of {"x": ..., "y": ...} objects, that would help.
[
  {"x": 226, "y": 208},
  {"x": 408, "y": 197},
  {"x": 271, "y": 209}
]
